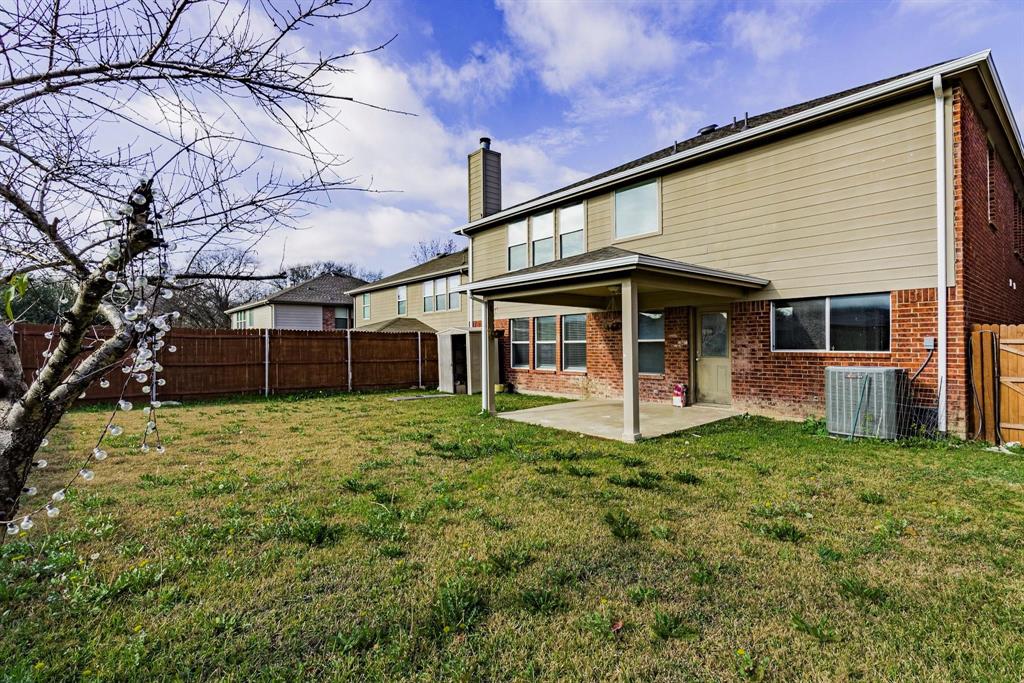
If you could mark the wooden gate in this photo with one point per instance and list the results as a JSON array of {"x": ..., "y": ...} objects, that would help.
[{"x": 997, "y": 375}]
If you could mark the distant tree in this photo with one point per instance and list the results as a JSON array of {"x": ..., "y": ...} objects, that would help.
[
  {"x": 427, "y": 250},
  {"x": 202, "y": 303},
  {"x": 308, "y": 271}
]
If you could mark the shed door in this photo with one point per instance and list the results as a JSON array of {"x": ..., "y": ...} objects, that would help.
[{"x": 714, "y": 374}]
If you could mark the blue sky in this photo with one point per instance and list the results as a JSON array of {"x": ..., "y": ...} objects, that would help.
[{"x": 568, "y": 89}]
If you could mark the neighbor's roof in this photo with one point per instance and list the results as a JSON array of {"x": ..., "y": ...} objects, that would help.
[
  {"x": 323, "y": 290},
  {"x": 610, "y": 260},
  {"x": 442, "y": 265},
  {"x": 398, "y": 325},
  {"x": 754, "y": 127}
]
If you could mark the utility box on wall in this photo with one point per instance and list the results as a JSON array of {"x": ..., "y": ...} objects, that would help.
[{"x": 865, "y": 401}]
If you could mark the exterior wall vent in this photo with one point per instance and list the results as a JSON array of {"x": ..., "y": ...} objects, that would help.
[{"x": 865, "y": 401}]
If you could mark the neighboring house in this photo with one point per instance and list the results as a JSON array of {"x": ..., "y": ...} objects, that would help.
[
  {"x": 743, "y": 261},
  {"x": 318, "y": 304},
  {"x": 422, "y": 298}
]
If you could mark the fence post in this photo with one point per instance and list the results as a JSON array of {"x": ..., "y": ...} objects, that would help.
[
  {"x": 419, "y": 356},
  {"x": 266, "y": 361},
  {"x": 348, "y": 354}
]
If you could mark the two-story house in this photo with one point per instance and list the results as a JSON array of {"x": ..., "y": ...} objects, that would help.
[
  {"x": 425, "y": 298},
  {"x": 870, "y": 227}
]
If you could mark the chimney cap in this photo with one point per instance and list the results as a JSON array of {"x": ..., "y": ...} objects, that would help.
[{"x": 485, "y": 143}]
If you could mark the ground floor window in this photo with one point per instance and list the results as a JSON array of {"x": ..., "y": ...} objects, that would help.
[
  {"x": 520, "y": 342},
  {"x": 341, "y": 318},
  {"x": 651, "y": 339},
  {"x": 860, "y": 322},
  {"x": 544, "y": 339},
  {"x": 574, "y": 342}
]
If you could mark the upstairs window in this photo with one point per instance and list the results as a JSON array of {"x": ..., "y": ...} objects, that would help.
[
  {"x": 651, "y": 342},
  {"x": 542, "y": 228},
  {"x": 454, "y": 298},
  {"x": 518, "y": 256},
  {"x": 403, "y": 297},
  {"x": 520, "y": 342},
  {"x": 366, "y": 306},
  {"x": 574, "y": 342},
  {"x": 440, "y": 294},
  {"x": 836, "y": 323},
  {"x": 570, "y": 231},
  {"x": 428, "y": 296},
  {"x": 636, "y": 211},
  {"x": 545, "y": 333}
]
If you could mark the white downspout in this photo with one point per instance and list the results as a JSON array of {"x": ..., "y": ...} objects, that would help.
[{"x": 941, "y": 292}]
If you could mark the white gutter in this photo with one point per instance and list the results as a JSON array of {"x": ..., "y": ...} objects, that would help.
[
  {"x": 914, "y": 80},
  {"x": 941, "y": 292}
]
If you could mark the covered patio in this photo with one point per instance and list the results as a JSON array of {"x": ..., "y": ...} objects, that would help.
[
  {"x": 613, "y": 279},
  {"x": 603, "y": 417}
]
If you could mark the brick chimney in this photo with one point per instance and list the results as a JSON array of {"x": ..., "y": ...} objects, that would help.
[{"x": 484, "y": 181}]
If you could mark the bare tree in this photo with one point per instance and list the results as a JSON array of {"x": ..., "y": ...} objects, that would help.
[
  {"x": 129, "y": 128},
  {"x": 427, "y": 250},
  {"x": 308, "y": 271},
  {"x": 202, "y": 303}
]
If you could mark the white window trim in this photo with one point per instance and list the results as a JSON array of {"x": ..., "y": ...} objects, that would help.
[
  {"x": 652, "y": 341},
  {"x": 458, "y": 295},
  {"x": 402, "y": 297},
  {"x": 525, "y": 342},
  {"x": 660, "y": 222},
  {"x": 366, "y": 306},
  {"x": 509, "y": 245},
  {"x": 447, "y": 295},
  {"x": 537, "y": 342},
  {"x": 558, "y": 229},
  {"x": 565, "y": 341},
  {"x": 828, "y": 328}
]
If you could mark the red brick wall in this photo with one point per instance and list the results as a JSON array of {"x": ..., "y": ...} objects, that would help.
[
  {"x": 985, "y": 258},
  {"x": 328, "y": 312},
  {"x": 603, "y": 378},
  {"x": 793, "y": 383},
  {"x": 987, "y": 253}
]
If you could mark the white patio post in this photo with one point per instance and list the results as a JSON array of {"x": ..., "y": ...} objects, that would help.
[
  {"x": 630, "y": 363},
  {"x": 486, "y": 378}
]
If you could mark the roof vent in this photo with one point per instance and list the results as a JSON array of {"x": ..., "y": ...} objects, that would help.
[{"x": 710, "y": 128}]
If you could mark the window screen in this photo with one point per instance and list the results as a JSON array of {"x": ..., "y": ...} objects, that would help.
[
  {"x": 574, "y": 342},
  {"x": 520, "y": 342},
  {"x": 636, "y": 210},
  {"x": 545, "y": 337},
  {"x": 651, "y": 339}
]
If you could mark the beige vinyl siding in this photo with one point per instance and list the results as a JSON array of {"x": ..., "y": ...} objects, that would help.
[
  {"x": 384, "y": 306},
  {"x": 262, "y": 317},
  {"x": 846, "y": 208}
]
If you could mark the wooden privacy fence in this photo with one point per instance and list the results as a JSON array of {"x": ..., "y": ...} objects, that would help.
[
  {"x": 211, "y": 363},
  {"x": 997, "y": 376}
]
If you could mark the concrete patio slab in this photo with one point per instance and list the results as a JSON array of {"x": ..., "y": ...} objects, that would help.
[{"x": 603, "y": 418}]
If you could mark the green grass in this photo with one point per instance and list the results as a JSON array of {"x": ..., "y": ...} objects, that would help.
[{"x": 353, "y": 538}]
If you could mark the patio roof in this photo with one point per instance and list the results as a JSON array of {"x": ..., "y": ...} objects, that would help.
[{"x": 584, "y": 280}]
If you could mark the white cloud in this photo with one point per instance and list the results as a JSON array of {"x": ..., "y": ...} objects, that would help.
[
  {"x": 597, "y": 54},
  {"x": 378, "y": 237},
  {"x": 485, "y": 77},
  {"x": 956, "y": 16},
  {"x": 674, "y": 122},
  {"x": 771, "y": 33}
]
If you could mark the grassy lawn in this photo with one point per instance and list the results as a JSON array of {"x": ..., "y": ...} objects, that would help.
[{"x": 353, "y": 538}]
